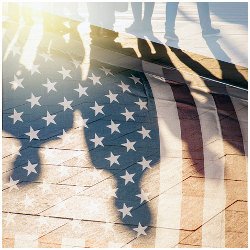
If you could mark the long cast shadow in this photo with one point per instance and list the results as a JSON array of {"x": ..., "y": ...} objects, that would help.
[{"x": 61, "y": 53}]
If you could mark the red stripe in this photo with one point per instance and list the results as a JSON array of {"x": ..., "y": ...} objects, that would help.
[
  {"x": 230, "y": 127},
  {"x": 235, "y": 168},
  {"x": 192, "y": 148},
  {"x": 189, "y": 121}
]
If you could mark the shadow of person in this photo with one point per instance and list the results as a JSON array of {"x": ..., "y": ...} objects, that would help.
[
  {"x": 14, "y": 33},
  {"x": 230, "y": 74},
  {"x": 127, "y": 103},
  {"x": 225, "y": 108},
  {"x": 42, "y": 88},
  {"x": 228, "y": 70},
  {"x": 189, "y": 119},
  {"x": 116, "y": 103}
]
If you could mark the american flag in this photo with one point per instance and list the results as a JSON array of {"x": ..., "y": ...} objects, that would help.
[{"x": 132, "y": 155}]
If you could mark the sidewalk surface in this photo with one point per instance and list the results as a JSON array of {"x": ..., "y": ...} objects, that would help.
[
  {"x": 230, "y": 17},
  {"x": 105, "y": 148}
]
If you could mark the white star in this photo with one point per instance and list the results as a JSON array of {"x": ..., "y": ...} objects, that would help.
[
  {"x": 144, "y": 163},
  {"x": 33, "y": 134},
  {"x": 82, "y": 123},
  {"x": 135, "y": 79},
  {"x": 50, "y": 85},
  {"x": 140, "y": 230},
  {"x": 143, "y": 196},
  {"x": 16, "y": 50},
  {"x": 124, "y": 87},
  {"x": 49, "y": 118},
  {"x": 65, "y": 73},
  {"x": 76, "y": 63},
  {"x": 30, "y": 168},
  {"x": 95, "y": 79},
  {"x": 81, "y": 90},
  {"x": 128, "y": 115},
  {"x": 49, "y": 153},
  {"x": 113, "y": 159},
  {"x": 128, "y": 177},
  {"x": 97, "y": 140},
  {"x": 16, "y": 83},
  {"x": 108, "y": 226},
  {"x": 79, "y": 189},
  {"x": 16, "y": 116},
  {"x": 106, "y": 71},
  {"x": 10, "y": 218},
  {"x": 97, "y": 108},
  {"x": 34, "y": 69},
  {"x": 114, "y": 127},
  {"x": 112, "y": 97},
  {"x": 141, "y": 104},
  {"x": 111, "y": 192},
  {"x": 65, "y": 137},
  {"x": 129, "y": 145},
  {"x": 28, "y": 202},
  {"x": 45, "y": 186},
  {"x": 125, "y": 210},
  {"x": 94, "y": 207},
  {"x": 15, "y": 149},
  {"x": 46, "y": 57},
  {"x": 66, "y": 104},
  {"x": 34, "y": 100},
  {"x": 12, "y": 184},
  {"x": 42, "y": 221},
  {"x": 96, "y": 174},
  {"x": 75, "y": 224},
  {"x": 144, "y": 132}
]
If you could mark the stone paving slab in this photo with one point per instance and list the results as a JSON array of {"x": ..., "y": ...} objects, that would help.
[
  {"x": 233, "y": 225},
  {"x": 27, "y": 201}
]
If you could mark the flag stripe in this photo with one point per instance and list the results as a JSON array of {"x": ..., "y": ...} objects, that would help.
[
  {"x": 169, "y": 203},
  {"x": 233, "y": 145},
  {"x": 192, "y": 146},
  {"x": 214, "y": 193}
]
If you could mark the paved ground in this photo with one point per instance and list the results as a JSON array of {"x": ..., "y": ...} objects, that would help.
[
  {"x": 231, "y": 18},
  {"x": 156, "y": 160}
]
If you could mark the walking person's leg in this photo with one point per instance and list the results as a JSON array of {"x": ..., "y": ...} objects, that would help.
[
  {"x": 205, "y": 20},
  {"x": 171, "y": 13},
  {"x": 148, "y": 12},
  {"x": 137, "y": 14}
]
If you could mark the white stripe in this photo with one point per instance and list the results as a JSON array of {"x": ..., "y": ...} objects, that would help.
[
  {"x": 213, "y": 231},
  {"x": 169, "y": 203},
  {"x": 26, "y": 240}
]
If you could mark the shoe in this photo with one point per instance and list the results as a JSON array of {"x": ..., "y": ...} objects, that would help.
[
  {"x": 210, "y": 32},
  {"x": 134, "y": 27},
  {"x": 170, "y": 35},
  {"x": 146, "y": 27}
]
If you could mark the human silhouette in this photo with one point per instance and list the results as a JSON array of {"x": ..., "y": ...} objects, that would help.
[
  {"x": 204, "y": 16},
  {"x": 141, "y": 24},
  {"x": 15, "y": 12},
  {"x": 65, "y": 54},
  {"x": 102, "y": 19}
]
